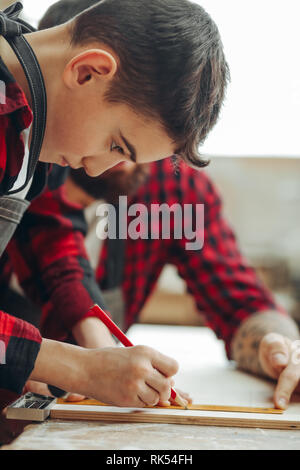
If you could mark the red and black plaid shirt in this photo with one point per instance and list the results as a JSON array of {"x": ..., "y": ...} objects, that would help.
[{"x": 15, "y": 116}]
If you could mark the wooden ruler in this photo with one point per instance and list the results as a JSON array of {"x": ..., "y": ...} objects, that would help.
[{"x": 197, "y": 407}]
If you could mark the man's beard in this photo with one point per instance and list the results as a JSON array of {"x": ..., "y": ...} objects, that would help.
[{"x": 111, "y": 184}]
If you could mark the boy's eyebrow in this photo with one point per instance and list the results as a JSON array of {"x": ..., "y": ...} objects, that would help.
[{"x": 130, "y": 147}]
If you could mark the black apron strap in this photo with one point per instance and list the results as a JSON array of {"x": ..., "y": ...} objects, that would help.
[{"x": 12, "y": 29}]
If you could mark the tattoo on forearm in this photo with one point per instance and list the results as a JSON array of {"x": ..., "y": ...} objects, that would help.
[{"x": 245, "y": 344}]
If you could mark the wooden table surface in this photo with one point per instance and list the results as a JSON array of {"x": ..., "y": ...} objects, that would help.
[{"x": 199, "y": 348}]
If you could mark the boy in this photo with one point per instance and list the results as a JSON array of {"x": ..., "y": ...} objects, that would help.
[
  {"x": 253, "y": 328},
  {"x": 116, "y": 90}
]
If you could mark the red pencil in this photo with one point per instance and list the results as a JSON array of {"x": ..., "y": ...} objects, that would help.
[{"x": 115, "y": 330}]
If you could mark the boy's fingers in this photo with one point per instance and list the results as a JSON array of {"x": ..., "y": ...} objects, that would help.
[
  {"x": 185, "y": 396},
  {"x": 184, "y": 400},
  {"x": 287, "y": 383},
  {"x": 164, "y": 364},
  {"x": 37, "y": 387},
  {"x": 148, "y": 396},
  {"x": 164, "y": 403},
  {"x": 161, "y": 385}
]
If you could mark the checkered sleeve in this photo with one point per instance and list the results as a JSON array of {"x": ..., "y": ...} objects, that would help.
[
  {"x": 15, "y": 116},
  {"x": 19, "y": 347}
]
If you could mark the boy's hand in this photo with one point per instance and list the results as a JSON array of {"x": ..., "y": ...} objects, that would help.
[
  {"x": 280, "y": 359},
  {"x": 132, "y": 377},
  {"x": 183, "y": 395}
]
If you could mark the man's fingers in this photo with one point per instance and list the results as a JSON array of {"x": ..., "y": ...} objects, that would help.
[
  {"x": 73, "y": 397},
  {"x": 274, "y": 353},
  {"x": 287, "y": 383},
  {"x": 279, "y": 359}
]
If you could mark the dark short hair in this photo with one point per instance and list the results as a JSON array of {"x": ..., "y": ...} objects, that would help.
[
  {"x": 172, "y": 63},
  {"x": 62, "y": 11}
]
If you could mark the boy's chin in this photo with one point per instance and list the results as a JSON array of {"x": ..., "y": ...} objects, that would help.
[{"x": 46, "y": 157}]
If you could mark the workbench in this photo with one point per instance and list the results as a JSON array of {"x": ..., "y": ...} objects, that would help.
[{"x": 193, "y": 348}]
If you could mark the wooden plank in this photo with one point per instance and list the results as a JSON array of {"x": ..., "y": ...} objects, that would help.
[{"x": 165, "y": 416}]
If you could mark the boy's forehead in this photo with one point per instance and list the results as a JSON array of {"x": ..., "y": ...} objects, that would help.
[
  {"x": 146, "y": 138},
  {"x": 149, "y": 144}
]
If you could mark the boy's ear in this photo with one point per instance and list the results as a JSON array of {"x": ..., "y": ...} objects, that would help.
[{"x": 89, "y": 65}]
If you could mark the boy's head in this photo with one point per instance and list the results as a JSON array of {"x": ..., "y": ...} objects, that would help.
[{"x": 141, "y": 81}]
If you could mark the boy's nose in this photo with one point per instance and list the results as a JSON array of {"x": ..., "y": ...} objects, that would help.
[{"x": 95, "y": 170}]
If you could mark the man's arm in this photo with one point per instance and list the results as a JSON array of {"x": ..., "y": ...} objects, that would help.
[
  {"x": 225, "y": 287},
  {"x": 265, "y": 345},
  {"x": 235, "y": 303},
  {"x": 92, "y": 333}
]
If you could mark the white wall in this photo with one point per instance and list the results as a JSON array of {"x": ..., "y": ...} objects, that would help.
[{"x": 261, "y": 40}]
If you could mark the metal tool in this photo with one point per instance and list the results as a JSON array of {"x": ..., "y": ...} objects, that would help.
[{"x": 31, "y": 407}]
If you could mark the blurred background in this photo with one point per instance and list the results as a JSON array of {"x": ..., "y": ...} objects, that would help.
[{"x": 254, "y": 149}]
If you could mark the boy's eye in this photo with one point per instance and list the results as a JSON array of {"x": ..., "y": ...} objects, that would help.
[{"x": 116, "y": 147}]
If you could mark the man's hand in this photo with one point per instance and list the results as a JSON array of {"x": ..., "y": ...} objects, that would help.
[
  {"x": 280, "y": 359},
  {"x": 266, "y": 344}
]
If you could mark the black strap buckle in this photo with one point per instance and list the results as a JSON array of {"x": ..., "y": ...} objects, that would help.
[
  {"x": 9, "y": 26},
  {"x": 13, "y": 29}
]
